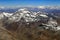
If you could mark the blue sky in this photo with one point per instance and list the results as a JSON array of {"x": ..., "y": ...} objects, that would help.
[{"x": 10, "y": 3}]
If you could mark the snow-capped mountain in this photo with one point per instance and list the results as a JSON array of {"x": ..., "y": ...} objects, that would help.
[
  {"x": 27, "y": 15},
  {"x": 30, "y": 16},
  {"x": 3, "y": 15}
]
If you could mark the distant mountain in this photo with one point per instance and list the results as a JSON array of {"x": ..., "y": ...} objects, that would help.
[{"x": 34, "y": 9}]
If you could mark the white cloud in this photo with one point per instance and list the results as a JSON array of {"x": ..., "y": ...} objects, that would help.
[
  {"x": 42, "y": 7},
  {"x": 2, "y": 7}
]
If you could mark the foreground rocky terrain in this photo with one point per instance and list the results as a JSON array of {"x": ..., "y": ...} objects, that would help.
[{"x": 27, "y": 32}]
